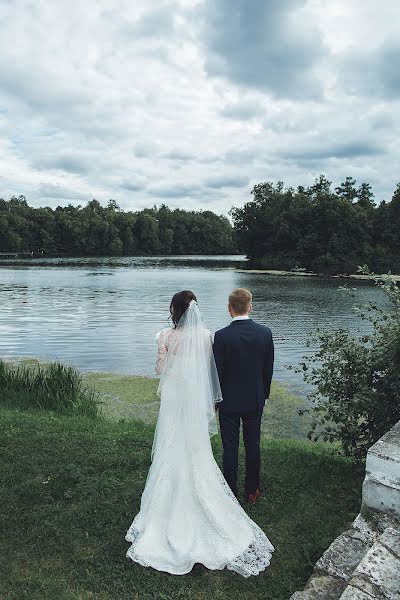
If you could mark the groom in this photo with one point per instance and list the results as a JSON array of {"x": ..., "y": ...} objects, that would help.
[{"x": 244, "y": 354}]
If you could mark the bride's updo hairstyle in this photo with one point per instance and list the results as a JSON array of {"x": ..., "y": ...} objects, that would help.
[{"x": 179, "y": 303}]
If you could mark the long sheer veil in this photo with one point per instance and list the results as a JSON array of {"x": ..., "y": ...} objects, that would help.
[{"x": 189, "y": 386}]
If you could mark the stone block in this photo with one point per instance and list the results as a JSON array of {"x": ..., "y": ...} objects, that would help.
[
  {"x": 385, "y": 459},
  {"x": 342, "y": 557},
  {"x": 353, "y": 593},
  {"x": 321, "y": 587},
  {"x": 391, "y": 539},
  {"x": 379, "y": 571},
  {"x": 362, "y": 530},
  {"x": 382, "y": 494},
  {"x": 381, "y": 521}
]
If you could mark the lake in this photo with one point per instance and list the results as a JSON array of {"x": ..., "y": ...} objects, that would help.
[{"x": 101, "y": 314}]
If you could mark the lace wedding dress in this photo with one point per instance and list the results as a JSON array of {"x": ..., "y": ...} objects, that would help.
[{"x": 188, "y": 513}]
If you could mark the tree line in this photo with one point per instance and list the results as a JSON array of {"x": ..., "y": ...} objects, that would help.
[
  {"x": 318, "y": 228},
  {"x": 94, "y": 230},
  {"x": 313, "y": 227}
]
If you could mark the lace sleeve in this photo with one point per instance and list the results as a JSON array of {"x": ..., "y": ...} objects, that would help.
[{"x": 162, "y": 351}]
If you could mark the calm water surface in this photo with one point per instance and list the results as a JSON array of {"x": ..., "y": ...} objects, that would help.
[{"x": 102, "y": 314}]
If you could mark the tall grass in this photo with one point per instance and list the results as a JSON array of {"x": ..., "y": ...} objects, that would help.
[{"x": 50, "y": 387}]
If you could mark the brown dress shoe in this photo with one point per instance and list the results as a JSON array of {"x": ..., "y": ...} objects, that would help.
[{"x": 251, "y": 498}]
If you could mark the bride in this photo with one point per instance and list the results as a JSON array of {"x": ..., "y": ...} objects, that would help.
[{"x": 188, "y": 514}]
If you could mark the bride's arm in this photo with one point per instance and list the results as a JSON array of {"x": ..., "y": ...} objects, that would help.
[{"x": 162, "y": 351}]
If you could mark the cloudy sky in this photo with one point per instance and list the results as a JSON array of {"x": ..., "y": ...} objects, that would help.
[{"x": 192, "y": 102}]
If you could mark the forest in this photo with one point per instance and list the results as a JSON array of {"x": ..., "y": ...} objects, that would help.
[
  {"x": 94, "y": 230},
  {"x": 320, "y": 229},
  {"x": 315, "y": 227}
]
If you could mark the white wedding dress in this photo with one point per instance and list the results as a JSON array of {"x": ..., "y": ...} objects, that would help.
[{"x": 188, "y": 513}]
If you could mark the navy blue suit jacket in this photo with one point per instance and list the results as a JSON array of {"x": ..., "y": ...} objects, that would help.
[{"x": 244, "y": 355}]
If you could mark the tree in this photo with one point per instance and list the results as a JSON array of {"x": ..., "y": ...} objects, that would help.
[
  {"x": 320, "y": 186},
  {"x": 347, "y": 189},
  {"x": 146, "y": 232},
  {"x": 365, "y": 196},
  {"x": 112, "y": 206}
]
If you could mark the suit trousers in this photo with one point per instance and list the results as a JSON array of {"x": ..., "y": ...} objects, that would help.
[{"x": 230, "y": 429}]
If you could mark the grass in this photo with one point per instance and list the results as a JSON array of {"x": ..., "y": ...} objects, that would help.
[
  {"x": 133, "y": 397},
  {"x": 50, "y": 386},
  {"x": 118, "y": 396},
  {"x": 71, "y": 485}
]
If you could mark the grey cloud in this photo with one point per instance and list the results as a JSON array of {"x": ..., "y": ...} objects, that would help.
[
  {"x": 36, "y": 87},
  {"x": 239, "y": 156},
  {"x": 381, "y": 121},
  {"x": 190, "y": 193},
  {"x": 179, "y": 155},
  {"x": 258, "y": 44},
  {"x": 132, "y": 186},
  {"x": 223, "y": 181},
  {"x": 242, "y": 110},
  {"x": 73, "y": 163},
  {"x": 340, "y": 150},
  {"x": 172, "y": 191},
  {"x": 145, "y": 149},
  {"x": 154, "y": 23},
  {"x": 372, "y": 73},
  {"x": 49, "y": 190}
]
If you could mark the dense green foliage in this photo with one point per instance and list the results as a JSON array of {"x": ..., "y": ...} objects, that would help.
[
  {"x": 315, "y": 228},
  {"x": 320, "y": 229},
  {"x": 70, "y": 487},
  {"x": 51, "y": 386},
  {"x": 357, "y": 397},
  {"x": 95, "y": 230}
]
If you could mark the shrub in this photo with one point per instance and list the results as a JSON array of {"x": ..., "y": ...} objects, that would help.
[{"x": 357, "y": 379}]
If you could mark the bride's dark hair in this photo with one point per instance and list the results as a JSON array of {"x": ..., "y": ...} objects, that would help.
[{"x": 179, "y": 303}]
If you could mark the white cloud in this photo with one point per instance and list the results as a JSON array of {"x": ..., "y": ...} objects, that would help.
[{"x": 152, "y": 102}]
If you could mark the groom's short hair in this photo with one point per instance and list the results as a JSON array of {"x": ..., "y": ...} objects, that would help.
[{"x": 240, "y": 300}]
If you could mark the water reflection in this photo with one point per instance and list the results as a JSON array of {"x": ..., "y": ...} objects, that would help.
[{"x": 102, "y": 314}]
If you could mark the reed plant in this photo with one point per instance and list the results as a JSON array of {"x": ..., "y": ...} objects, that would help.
[{"x": 51, "y": 386}]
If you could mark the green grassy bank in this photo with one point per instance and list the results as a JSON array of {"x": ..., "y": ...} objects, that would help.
[
  {"x": 135, "y": 397},
  {"x": 71, "y": 484},
  {"x": 129, "y": 396}
]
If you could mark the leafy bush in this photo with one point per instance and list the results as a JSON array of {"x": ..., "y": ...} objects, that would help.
[
  {"x": 51, "y": 387},
  {"x": 357, "y": 379}
]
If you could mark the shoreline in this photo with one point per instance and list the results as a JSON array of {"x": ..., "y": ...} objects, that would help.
[
  {"x": 127, "y": 396},
  {"x": 360, "y": 276},
  {"x": 64, "y": 260}
]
